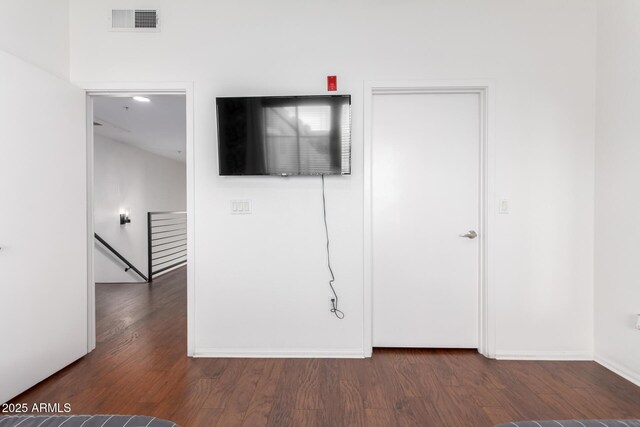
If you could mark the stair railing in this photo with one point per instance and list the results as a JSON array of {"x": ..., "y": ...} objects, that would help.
[
  {"x": 120, "y": 257},
  {"x": 167, "y": 241}
]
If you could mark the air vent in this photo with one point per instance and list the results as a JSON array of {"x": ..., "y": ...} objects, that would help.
[
  {"x": 142, "y": 20},
  {"x": 146, "y": 19}
]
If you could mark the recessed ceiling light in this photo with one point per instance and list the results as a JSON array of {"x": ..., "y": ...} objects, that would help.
[{"x": 141, "y": 99}]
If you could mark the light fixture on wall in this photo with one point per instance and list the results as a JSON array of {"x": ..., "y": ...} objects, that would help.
[
  {"x": 141, "y": 99},
  {"x": 124, "y": 218}
]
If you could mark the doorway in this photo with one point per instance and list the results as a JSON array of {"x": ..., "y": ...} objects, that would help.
[
  {"x": 425, "y": 207},
  {"x": 140, "y": 157}
]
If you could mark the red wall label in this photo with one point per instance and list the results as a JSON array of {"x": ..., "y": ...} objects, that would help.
[{"x": 332, "y": 83}]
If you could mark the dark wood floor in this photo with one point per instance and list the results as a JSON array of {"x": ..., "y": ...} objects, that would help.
[{"x": 140, "y": 367}]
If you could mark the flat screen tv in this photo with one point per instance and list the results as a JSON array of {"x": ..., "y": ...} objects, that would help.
[{"x": 284, "y": 135}]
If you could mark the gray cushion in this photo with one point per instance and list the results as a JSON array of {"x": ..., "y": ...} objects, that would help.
[
  {"x": 83, "y": 420},
  {"x": 573, "y": 423}
]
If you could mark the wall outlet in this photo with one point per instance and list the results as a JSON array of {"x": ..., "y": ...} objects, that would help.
[{"x": 638, "y": 322}]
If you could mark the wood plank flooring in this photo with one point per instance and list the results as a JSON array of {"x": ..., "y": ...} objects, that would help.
[{"x": 140, "y": 367}]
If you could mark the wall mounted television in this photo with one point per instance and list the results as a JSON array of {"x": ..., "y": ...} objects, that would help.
[{"x": 284, "y": 135}]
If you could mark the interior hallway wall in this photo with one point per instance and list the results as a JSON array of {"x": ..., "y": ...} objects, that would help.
[{"x": 128, "y": 178}]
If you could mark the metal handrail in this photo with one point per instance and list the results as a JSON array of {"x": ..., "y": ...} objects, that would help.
[
  {"x": 123, "y": 259},
  {"x": 158, "y": 234},
  {"x": 167, "y": 212}
]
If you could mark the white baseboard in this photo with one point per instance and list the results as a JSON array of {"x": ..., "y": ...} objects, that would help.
[
  {"x": 284, "y": 354},
  {"x": 626, "y": 373},
  {"x": 544, "y": 355}
]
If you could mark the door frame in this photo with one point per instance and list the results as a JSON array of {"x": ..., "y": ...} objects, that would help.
[
  {"x": 485, "y": 89},
  {"x": 130, "y": 89}
]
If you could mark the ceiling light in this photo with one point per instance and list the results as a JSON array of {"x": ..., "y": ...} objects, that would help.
[{"x": 141, "y": 99}]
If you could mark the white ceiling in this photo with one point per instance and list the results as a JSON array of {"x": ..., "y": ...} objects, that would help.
[{"x": 158, "y": 126}]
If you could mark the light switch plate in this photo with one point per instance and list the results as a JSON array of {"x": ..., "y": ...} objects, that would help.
[
  {"x": 503, "y": 206},
  {"x": 240, "y": 207}
]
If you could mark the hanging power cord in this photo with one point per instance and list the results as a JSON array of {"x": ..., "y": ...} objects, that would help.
[{"x": 334, "y": 301}]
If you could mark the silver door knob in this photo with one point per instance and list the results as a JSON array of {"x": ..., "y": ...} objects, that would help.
[{"x": 470, "y": 235}]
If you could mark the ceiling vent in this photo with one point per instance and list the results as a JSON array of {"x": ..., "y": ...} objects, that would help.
[{"x": 139, "y": 20}]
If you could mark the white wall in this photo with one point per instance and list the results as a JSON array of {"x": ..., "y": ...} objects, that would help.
[
  {"x": 127, "y": 177},
  {"x": 617, "y": 281},
  {"x": 38, "y": 32},
  {"x": 261, "y": 279}
]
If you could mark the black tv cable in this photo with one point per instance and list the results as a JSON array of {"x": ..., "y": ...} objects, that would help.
[{"x": 334, "y": 301}]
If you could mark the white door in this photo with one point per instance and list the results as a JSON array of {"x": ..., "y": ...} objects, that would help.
[
  {"x": 43, "y": 217},
  {"x": 425, "y": 195}
]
